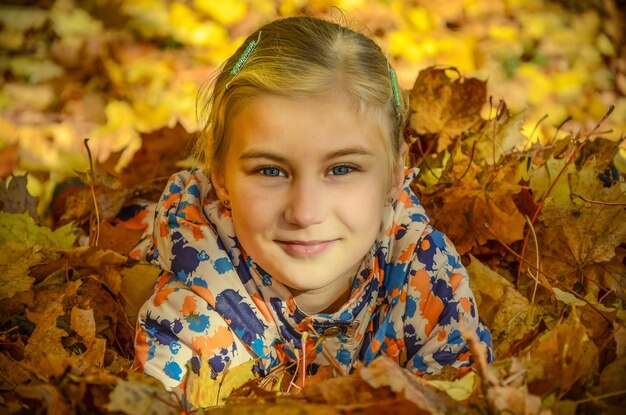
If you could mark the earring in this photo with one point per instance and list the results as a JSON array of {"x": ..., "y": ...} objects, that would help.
[
  {"x": 390, "y": 200},
  {"x": 226, "y": 202}
]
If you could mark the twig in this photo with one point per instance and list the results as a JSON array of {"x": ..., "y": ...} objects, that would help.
[
  {"x": 542, "y": 119},
  {"x": 598, "y": 202},
  {"x": 535, "y": 277},
  {"x": 470, "y": 162},
  {"x": 495, "y": 124},
  {"x": 553, "y": 184},
  {"x": 559, "y": 127},
  {"x": 92, "y": 181},
  {"x": 606, "y": 395},
  {"x": 421, "y": 150}
]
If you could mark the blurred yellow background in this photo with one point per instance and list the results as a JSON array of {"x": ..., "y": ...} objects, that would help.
[{"x": 111, "y": 70}]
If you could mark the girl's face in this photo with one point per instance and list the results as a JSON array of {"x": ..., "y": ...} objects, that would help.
[{"x": 307, "y": 183}]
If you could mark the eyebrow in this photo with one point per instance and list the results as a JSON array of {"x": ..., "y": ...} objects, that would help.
[{"x": 349, "y": 151}]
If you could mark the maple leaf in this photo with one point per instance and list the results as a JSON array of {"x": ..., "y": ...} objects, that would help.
[
  {"x": 444, "y": 106},
  {"x": 579, "y": 240},
  {"x": 22, "y": 229},
  {"x": 472, "y": 212}
]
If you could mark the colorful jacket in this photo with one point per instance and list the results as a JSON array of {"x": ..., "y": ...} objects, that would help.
[{"x": 213, "y": 305}]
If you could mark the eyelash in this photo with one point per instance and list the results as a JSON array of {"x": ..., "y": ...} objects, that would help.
[{"x": 263, "y": 170}]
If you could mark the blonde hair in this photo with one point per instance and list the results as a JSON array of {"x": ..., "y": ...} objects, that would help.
[{"x": 298, "y": 57}]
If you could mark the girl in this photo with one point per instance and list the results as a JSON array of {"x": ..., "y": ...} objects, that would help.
[{"x": 301, "y": 240}]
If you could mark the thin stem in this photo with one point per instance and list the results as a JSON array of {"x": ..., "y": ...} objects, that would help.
[
  {"x": 598, "y": 202},
  {"x": 606, "y": 395},
  {"x": 535, "y": 277},
  {"x": 92, "y": 182}
]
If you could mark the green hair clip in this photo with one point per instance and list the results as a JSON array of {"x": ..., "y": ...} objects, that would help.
[
  {"x": 243, "y": 58},
  {"x": 397, "y": 99}
]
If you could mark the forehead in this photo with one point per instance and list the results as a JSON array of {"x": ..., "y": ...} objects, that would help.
[{"x": 299, "y": 125}]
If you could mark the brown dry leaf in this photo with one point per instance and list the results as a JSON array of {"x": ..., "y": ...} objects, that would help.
[
  {"x": 560, "y": 358},
  {"x": 158, "y": 157},
  {"x": 15, "y": 262},
  {"x": 506, "y": 312},
  {"x": 76, "y": 204},
  {"x": 15, "y": 198},
  {"x": 111, "y": 322},
  {"x": 473, "y": 212},
  {"x": 44, "y": 352},
  {"x": 50, "y": 397},
  {"x": 445, "y": 106},
  {"x": 385, "y": 372},
  {"x": 141, "y": 393},
  {"x": 515, "y": 400},
  {"x": 83, "y": 323},
  {"x": 611, "y": 382},
  {"x": 9, "y": 159},
  {"x": 578, "y": 240},
  {"x": 118, "y": 238},
  {"x": 13, "y": 373},
  {"x": 94, "y": 258}
]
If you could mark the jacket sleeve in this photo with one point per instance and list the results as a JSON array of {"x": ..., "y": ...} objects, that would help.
[
  {"x": 440, "y": 302},
  {"x": 177, "y": 330}
]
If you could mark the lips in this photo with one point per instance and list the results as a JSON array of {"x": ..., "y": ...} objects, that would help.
[{"x": 305, "y": 248}]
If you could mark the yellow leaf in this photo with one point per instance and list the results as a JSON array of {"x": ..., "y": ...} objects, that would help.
[
  {"x": 207, "y": 392},
  {"x": 567, "y": 298},
  {"x": 459, "y": 389},
  {"x": 15, "y": 261}
]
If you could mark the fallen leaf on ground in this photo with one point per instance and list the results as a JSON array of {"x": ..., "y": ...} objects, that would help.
[{"x": 445, "y": 106}]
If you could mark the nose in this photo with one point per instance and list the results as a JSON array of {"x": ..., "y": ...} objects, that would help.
[{"x": 306, "y": 203}]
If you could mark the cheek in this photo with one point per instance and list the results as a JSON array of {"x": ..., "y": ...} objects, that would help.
[
  {"x": 362, "y": 207},
  {"x": 253, "y": 213}
]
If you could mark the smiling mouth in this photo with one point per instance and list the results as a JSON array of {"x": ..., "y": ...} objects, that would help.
[{"x": 305, "y": 248}]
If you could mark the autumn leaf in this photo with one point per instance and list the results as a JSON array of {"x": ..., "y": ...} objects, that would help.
[
  {"x": 140, "y": 393},
  {"x": 459, "y": 389},
  {"x": 83, "y": 323},
  {"x": 384, "y": 371},
  {"x": 508, "y": 314},
  {"x": 205, "y": 392},
  {"x": 22, "y": 229},
  {"x": 44, "y": 352},
  {"x": 474, "y": 211},
  {"x": 579, "y": 240},
  {"x": 445, "y": 106},
  {"x": 15, "y": 198},
  {"x": 15, "y": 263},
  {"x": 137, "y": 281},
  {"x": 561, "y": 357}
]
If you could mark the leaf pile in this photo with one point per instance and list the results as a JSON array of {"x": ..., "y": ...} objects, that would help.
[{"x": 536, "y": 207}]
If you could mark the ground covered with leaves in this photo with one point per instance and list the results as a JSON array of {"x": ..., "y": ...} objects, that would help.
[{"x": 535, "y": 204}]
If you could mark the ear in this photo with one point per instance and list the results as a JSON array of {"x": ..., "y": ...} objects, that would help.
[
  {"x": 398, "y": 179},
  {"x": 219, "y": 184}
]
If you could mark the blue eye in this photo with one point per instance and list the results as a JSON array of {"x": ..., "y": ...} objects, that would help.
[
  {"x": 341, "y": 170},
  {"x": 271, "y": 171}
]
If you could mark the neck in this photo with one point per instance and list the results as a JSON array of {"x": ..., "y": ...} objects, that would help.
[{"x": 327, "y": 299}]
